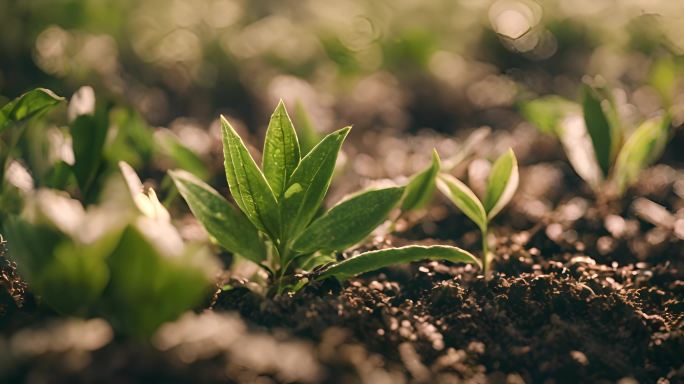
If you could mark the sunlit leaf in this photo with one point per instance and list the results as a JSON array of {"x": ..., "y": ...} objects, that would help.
[
  {"x": 281, "y": 150},
  {"x": 463, "y": 198},
  {"x": 26, "y": 106},
  {"x": 642, "y": 148},
  {"x": 502, "y": 183},
  {"x": 231, "y": 229},
  {"x": 309, "y": 183},
  {"x": 369, "y": 261},
  {"x": 349, "y": 222},
  {"x": 600, "y": 126},
  {"x": 580, "y": 151},
  {"x": 144, "y": 198},
  {"x": 248, "y": 185},
  {"x": 547, "y": 112},
  {"x": 421, "y": 187}
]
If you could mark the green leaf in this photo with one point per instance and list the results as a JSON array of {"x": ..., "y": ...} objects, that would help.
[
  {"x": 370, "y": 261},
  {"x": 601, "y": 128},
  {"x": 642, "y": 148},
  {"x": 463, "y": 198},
  {"x": 231, "y": 229},
  {"x": 663, "y": 78},
  {"x": 175, "y": 280},
  {"x": 182, "y": 156},
  {"x": 308, "y": 135},
  {"x": 309, "y": 183},
  {"x": 547, "y": 112},
  {"x": 281, "y": 150},
  {"x": 248, "y": 185},
  {"x": 349, "y": 222},
  {"x": 502, "y": 183},
  {"x": 88, "y": 134},
  {"x": 26, "y": 106},
  {"x": 421, "y": 187}
]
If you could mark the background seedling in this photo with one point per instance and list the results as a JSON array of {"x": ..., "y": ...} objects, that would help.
[
  {"x": 275, "y": 223},
  {"x": 501, "y": 186},
  {"x": 592, "y": 136}
]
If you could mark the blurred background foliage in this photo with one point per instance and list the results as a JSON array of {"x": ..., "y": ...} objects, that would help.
[{"x": 398, "y": 65}]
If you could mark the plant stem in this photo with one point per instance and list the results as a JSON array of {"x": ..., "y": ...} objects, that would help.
[{"x": 485, "y": 253}]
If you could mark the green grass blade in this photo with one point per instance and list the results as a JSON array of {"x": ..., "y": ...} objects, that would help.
[
  {"x": 370, "y": 261},
  {"x": 226, "y": 224},
  {"x": 309, "y": 183},
  {"x": 502, "y": 183},
  {"x": 421, "y": 187},
  {"x": 349, "y": 222},
  {"x": 463, "y": 198},
  {"x": 598, "y": 127},
  {"x": 248, "y": 185},
  {"x": 281, "y": 150},
  {"x": 26, "y": 106}
]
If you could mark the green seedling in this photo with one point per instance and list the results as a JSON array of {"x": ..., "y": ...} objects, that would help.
[
  {"x": 501, "y": 186},
  {"x": 121, "y": 260},
  {"x": 593, "y": 138},
  {"x": 421, "y": 186},
  {"x": 274, "y": 221}
]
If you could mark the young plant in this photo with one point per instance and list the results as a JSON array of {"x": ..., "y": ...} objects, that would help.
[
  {"x": 275, "y": 223},
  {"x": 593, "y": 138},
  {"x": 501, "y": 186},
  {"x": 119, "y": 259}
]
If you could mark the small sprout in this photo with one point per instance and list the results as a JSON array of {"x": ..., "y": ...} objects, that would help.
[
  {"x": 275, "y": 224},
  {"x": 501, "y": 186},
  {"x": 421, "y": 187},
  {"x": 593, "y": 138}
]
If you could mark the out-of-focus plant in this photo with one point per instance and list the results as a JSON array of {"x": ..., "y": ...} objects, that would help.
[
  {"x": 501, "y": 186},
  {"x": 13, "y": 118},
  {"x": 593, "y": 138},
  {"x": 127, "y": 264},
  {"x": 275, "y": 223}
]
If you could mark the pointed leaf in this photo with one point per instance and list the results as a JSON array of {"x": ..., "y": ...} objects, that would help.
[
  {"x": 231, "y": 229},
  {"x": 248, "y": 185},
  {"x": 642, "y": 148},
  {"x": 579, "y": 150},
  {"x": 600, "y": 126},
  {"x": 420, "y": 189},
  {"x": 463, "y": 198},
  {"x": 26, "y": 106},
  {"x": 349, "y": 222},
  {"x": 281, "y": 150},
  {"x": 309, "y": 183},
  {"x": 370, "y": 261},
  {"x": 88, "y": 134},
  {"x": 502, "y": 183}
]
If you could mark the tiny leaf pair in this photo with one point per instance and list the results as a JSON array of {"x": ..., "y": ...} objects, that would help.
[
  {"x": 275, "y": 223},
  {"x": 593, "y": 138},
  {"x": 501, "y": 186}
]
